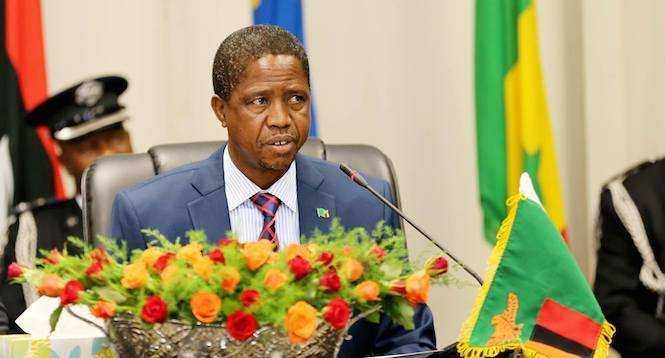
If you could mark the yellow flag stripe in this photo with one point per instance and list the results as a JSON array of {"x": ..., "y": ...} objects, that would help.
[{"x": 528, "y": 129}]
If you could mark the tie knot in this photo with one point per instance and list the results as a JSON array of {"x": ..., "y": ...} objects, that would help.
[{"x": 266, "y": 203}]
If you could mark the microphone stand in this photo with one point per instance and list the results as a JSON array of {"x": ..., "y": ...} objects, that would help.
[{"x": 358, "y": 179}]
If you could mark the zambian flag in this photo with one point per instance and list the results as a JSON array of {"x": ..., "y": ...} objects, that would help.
[
  {"x": 535, "y": 297},
  {"x": 513, "y": 125}
]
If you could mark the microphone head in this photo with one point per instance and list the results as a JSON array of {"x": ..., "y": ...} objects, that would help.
[{"x": 353, "y": 175}]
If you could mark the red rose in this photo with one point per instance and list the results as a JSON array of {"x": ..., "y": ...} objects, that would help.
[
  {"x": 94, "y": 269},
  {"x": 299, "y": 267},
  {"x": 437, "y": 266},
  {"x": 326, "y": 258},
  {"x": 378, "y": 252},
  {"x": 225, "y": 241},
  {"x": 330, "y": 281},
  {"x": 70, "y": 294},
  {"x": 154, "y": 310},
  {"x": 249, "y": 297},
  {"x": 53, "y": 257},
  {"x": 163, "y": 261},
  {"x": 217, "y": 256},
  {"x": 337, "y": 313},
  {"x": 241, "y": 325},
  {"x": 14, "y": 271}
]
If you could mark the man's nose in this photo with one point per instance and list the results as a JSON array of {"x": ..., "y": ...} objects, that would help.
[{"x": 279, "y": 115}]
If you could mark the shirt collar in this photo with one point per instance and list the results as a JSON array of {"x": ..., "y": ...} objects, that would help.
[{"x": 242, "y": 188}]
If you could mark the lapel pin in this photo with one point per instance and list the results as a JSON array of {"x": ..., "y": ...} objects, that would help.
[{"x": 322, "y": 213}]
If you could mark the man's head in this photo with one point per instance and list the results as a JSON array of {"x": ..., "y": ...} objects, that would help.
[
  {"x": 77, "y": 154},
  {"x": 261, "y": 81},
  {"x": 86, "y": 122}
]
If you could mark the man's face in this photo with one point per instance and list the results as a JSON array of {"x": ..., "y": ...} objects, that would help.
[
  {"x": 267, "y": 115},
  {"x": 78, "y": 154}
]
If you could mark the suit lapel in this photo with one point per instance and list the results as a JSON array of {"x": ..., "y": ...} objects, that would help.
[
  {"x": 210, "y": 212},
  {"x": 316, "y": 208}
]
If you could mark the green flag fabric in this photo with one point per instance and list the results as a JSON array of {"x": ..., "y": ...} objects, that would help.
[{"x": 535, "y": 297}]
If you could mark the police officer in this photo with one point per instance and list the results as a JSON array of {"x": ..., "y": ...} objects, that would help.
[
  {"x": 630, "y": 283},
  {"x": 86, "y": 122}
]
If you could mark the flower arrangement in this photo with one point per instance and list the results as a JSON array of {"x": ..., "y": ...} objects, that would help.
[{"x": 242, "y": 286}]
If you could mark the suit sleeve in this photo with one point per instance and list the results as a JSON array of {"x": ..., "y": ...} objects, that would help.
[
  {"x": 617, "y": 287},
  {"x": 392, "y": 338},
  {"x": 125, "y": 223}
]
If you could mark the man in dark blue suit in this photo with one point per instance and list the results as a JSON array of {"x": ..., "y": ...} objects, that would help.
[{"x": 258, "y": 185}]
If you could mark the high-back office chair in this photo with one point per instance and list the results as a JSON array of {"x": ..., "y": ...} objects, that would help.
[{"x": 108, "y": 175}]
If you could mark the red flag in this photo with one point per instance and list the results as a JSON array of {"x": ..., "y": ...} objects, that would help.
[{"x": 24, "y": 45}]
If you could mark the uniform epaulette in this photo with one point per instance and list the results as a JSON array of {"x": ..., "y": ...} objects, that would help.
[
  {"x": 38, "y": 203},
  {"x": 633, "y": 170}
]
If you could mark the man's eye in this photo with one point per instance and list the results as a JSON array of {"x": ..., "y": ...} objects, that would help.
[
  {"x": 296, "y": 99},
  {"x": 260, "y": 101}
]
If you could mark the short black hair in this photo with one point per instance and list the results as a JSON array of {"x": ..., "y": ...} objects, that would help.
[{"x": 248, "y": 44}]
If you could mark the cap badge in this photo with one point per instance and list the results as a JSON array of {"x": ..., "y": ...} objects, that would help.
[{"x": 89, "y": 93}]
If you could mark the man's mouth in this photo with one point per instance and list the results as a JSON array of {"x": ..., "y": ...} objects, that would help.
[{"x": 281, "y": 144}]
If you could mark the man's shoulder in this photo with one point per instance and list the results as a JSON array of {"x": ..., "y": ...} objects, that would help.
[
  {"x": 174, "y": 181},
  {"x": 643, "y": 182}
]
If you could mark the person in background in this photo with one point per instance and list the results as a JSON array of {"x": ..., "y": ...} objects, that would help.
[
  {"x": 86, "y": 121},
  {"x": 630, "y": 284}
]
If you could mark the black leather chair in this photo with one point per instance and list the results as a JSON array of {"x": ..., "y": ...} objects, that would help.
[{"x": 108, "y": 175}]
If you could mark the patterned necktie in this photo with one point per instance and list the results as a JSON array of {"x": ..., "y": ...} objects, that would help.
[{"x": 268, "y": 205}]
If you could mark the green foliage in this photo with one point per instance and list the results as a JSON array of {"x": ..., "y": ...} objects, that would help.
[
  {"x": 186, "y": 270},
  {"x": 55, "y": 317}
]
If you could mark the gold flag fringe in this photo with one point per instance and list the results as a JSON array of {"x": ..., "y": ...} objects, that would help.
[
  {"x": 464, "y": 348},
  {"x": 603, "y": 345}
]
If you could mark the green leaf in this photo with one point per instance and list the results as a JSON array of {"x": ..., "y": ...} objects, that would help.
[
  {"x": 108, "y": 294},
  {"x": 374, "y": 317},
  {"x": 401, "y": 311},
  {"x": 55, "y": 317},
  {"x": 391, "y": 270}
]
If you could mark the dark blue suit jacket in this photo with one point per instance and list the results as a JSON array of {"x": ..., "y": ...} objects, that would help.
[{"x": 193, "y": 197}]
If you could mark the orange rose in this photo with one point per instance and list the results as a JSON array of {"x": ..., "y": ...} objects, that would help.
[
  {"x": 274, "y": 279},
  {"x": 51, "y": 285},
  {"x": 169, "y": 273},
  {"x": 151, "y": 255},
  {"x": 103, "y": 309},
  {"x": 300, "y": 322},
  {"x": 294, "y": 250},
  {"x": 257, "y": 253},
  {"x": 134, "y": 275},
  {"x": 205, "y": 306},
  {"x": 203, "y": 266},
  {"x": 273, "y": 258},
  {"x": 352, "y": 269},
  {"x": 190, "y": 252},
  {"x": 230, "y": 279},
  {"x": 368, "y": 291},
  {"x": 417, "y": 287}
]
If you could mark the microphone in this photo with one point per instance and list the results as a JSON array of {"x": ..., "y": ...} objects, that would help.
[{"x": 358, "y": 179}]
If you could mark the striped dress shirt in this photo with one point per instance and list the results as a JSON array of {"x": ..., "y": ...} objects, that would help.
[{"x": 246, "y": 219}]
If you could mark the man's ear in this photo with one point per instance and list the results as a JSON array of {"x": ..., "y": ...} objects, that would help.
[{"x": 217, "y": 105}]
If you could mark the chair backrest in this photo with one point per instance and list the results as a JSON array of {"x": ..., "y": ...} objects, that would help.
[
  {"x": 367, "y": 160},
  {"x": 105, "y": 178},
  {"x": 108, "y": 175}
]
